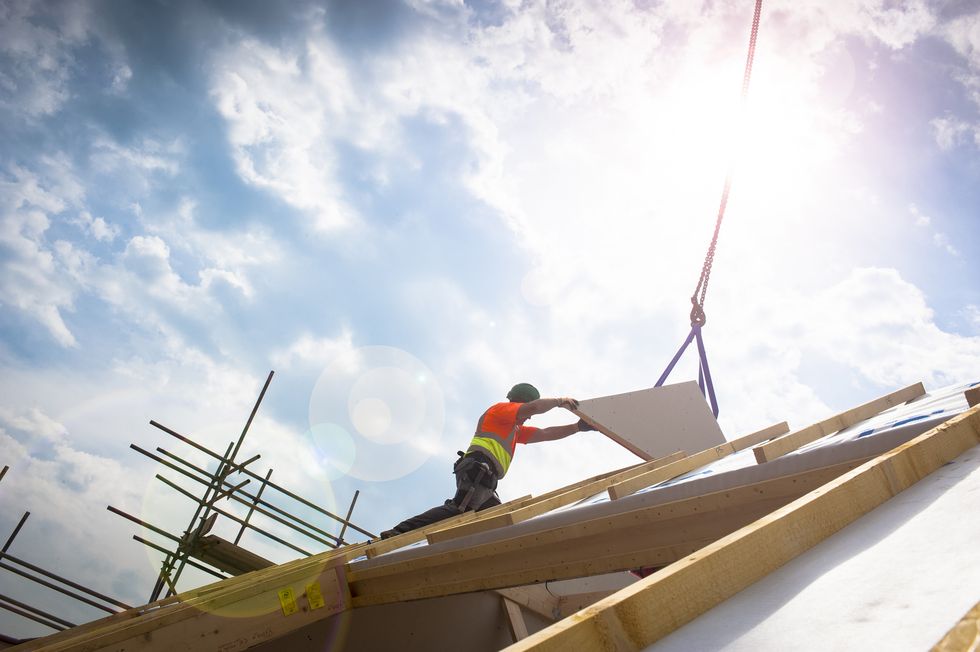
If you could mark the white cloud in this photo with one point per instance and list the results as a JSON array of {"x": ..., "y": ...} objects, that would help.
[
  {"x": 941, "y": 240},
  {"x": 43, "y": 46},
  {"x": 148, "y": 258},
  {"x": 949, "y": 131},
  {"x": 281, "y": 119},
  {"x": 313, "y": 352},
  {"x": 149, "y": 156},
  {"x": 231, "y": 253},
  {"x": 972, "y": 313},
  {"x": 36, "y": 84},
  {"x": 97, "y": 227},
  {"x": 44, "y": 278},
  {"x": 120, "y": 78},
  {"x": 921, "y": 219},
  {"x": 32, "y": 422},
  {"x": 963, "y": 33},
  {"x": 31, "y": 279},
  {"x": 894, "y": 26},
  {"x": 884, "y": 329}
]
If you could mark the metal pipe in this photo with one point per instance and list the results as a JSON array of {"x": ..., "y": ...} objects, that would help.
[
  {"x": 37, "y": 619},
  {"x": 251, "y": 508},
  {"x": 189, "y": 561},
  {"x": 251, "y": 416},
  {"x": 171, "y": 586},
  {"x": 226, "y": 493},
  {"x": 55, "y": 587},
  {"x": 74, "y": 585},
  {"x": 13, "y": 534},
  {"x": 350, "y": 511},
  {"x": 152, "y": 528},
  {"x": 256, "y": 498},
  {"x": 36, "y": 611}
]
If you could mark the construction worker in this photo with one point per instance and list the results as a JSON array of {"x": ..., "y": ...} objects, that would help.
[{"x": 498, "y": 432}]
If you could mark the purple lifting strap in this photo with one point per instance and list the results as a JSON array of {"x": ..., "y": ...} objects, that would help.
[{"x": 704, "y": 373}]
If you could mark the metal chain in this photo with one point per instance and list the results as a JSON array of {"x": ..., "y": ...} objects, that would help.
[{"x": 697, "y": 300}]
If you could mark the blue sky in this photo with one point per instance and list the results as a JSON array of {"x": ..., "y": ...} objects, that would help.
[{"x": 405, "y": 207}]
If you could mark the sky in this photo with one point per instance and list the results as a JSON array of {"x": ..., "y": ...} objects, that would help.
[{"x": 404, "y": 208}]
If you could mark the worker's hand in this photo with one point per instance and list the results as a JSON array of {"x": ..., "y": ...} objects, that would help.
[
  {"x": 584, "y": 425},
  {"x": 567, "y": 403}
]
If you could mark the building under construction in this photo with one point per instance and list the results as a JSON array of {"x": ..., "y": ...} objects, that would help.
[{"x": 857, "y": 531}]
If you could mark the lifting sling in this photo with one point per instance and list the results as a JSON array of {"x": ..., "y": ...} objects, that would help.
[{"x": 698, "y": 318}]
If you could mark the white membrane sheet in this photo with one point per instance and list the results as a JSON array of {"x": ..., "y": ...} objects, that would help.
[{"x": 896, "y": 579}]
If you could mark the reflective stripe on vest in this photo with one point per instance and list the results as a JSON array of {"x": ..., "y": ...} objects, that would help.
[
  {"x": 492, "y": 448},
  {"x": 500, "y": 448}
]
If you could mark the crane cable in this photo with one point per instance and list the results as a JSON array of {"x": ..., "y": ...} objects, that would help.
[{"x": 697, "y": 299}]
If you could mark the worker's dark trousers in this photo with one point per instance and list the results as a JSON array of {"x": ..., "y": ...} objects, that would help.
[{"x": 451, "y": 506}]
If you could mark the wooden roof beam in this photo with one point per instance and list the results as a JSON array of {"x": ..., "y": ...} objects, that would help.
[
  {"x": 680, "y": 467},
  {"x": 790, "y": 442},
  {"x": 553, "y": 500}
]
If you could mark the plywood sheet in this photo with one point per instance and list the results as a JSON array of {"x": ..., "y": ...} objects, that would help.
[{"x": 655, "y": 422}]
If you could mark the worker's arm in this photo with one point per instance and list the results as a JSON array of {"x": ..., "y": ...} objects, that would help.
[
  {"x": 559, "y": 432},
  {"x": 542, "y": 405}
]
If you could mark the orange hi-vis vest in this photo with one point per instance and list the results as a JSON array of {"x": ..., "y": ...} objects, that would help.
[{"x": 498, "y": 434}]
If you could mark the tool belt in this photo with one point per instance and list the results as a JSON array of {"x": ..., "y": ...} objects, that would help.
[{"x": 476, "y": 480}]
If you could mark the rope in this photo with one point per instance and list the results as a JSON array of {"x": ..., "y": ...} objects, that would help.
[{"x": 697, "y": 299}]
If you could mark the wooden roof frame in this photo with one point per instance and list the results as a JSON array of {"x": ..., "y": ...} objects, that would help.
[{"x": 711, "y": 539}]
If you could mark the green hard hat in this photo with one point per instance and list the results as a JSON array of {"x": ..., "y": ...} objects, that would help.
[{"x": 523, "y": 393}]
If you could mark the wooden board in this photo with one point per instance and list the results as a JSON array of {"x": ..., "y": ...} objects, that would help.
[
  {"x": 552, "y": 500},
  {"x": 631, "y": 485},
  {"x": 536, "y": 598},
  {"x": 515, "y": 619},
  {"x": 973, "y": 396},
  {"x": 641, "y": 614},
  {"x": 964, "y": 636},
  {"x": 382, "y": 546},
  {"x": 653, "y": 422},
  {"x": 793, "y": 440}
]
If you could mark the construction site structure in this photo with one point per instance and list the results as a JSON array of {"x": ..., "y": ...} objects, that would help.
[{"x": 856, "y": 531}]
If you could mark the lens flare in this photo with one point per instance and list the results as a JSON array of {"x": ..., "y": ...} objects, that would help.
[{"x": 376, "y": 414}]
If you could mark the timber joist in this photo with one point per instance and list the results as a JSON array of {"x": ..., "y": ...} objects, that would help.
[
  {"x": 553, "y": 500},
  {"x": 380, "y": 547},
  {"x": 629, "y": 485},
  {"x": 794, "y": 440}
]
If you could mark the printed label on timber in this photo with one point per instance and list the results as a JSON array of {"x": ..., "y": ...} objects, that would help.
[
  {"x": 288, "y": 601},
  {"x": 314, "y": 595}
]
